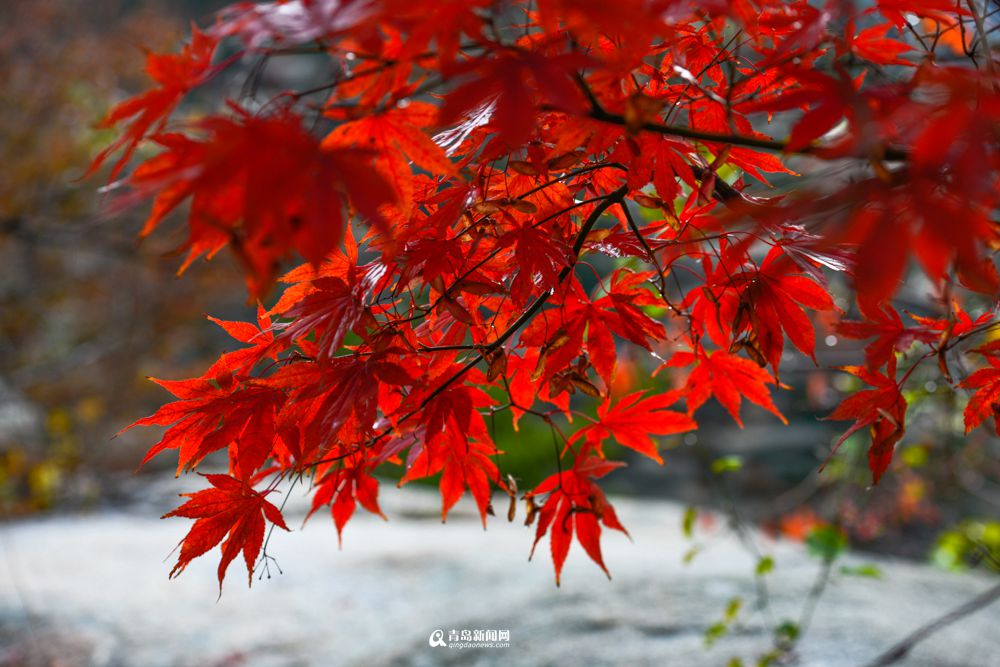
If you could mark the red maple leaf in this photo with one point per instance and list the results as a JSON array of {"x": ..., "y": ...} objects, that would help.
[
  {"x": 457, "y": 444},
  {"x": 886, "y": 326},
  {"x": 633, "y": 421},
  {"x": 331, "y": 310},
  {"x": 231, "y": 510},
  {"x": 937, "y": 227},
  {"x": 882, "y": 410},
  {"x": 539, "y": 256},
  {"x": 262, "y": 185},
  {"x": 340, "y": 394},
  {"x": 727, "y": 377},
  {"x": 396, "y": 138},
  {"x": 768, "y": 302},
  {"x": 619, "y": 311},
  {"x": 501, "y": 80},
  {"x": 343, "y": 488},
  {"x": 216, "y": 412},
  {"x": 873, "y": 45},
  {"x": 985, "y": 401},
  {"x": 829, "y": 99},
  {"x": 575, "y": 505},
  {"x": 147, "y": 113}
]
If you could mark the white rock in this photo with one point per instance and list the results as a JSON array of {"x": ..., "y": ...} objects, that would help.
[{"x": 95, "y": 591}]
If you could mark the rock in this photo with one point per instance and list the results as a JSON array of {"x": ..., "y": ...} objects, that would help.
[{"x": 101, "y": 581}]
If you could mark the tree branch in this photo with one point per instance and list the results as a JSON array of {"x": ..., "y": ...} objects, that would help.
[
  {"x": 903, "y": 648},
  {"x": 597, "y": 113},
  {"x": 610, "y": 200}
]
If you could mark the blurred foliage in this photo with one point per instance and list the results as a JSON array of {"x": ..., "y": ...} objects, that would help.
[
  {"x": 86, "y": 315},
  {"x": 64, "y": 62},
  {"x": 826, "y": 542},
  {"x": 940, "y": 476},
  {"x": 968, "y": 544}
]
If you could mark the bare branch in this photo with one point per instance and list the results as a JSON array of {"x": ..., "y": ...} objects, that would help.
[{"x": 903, "y": 648}]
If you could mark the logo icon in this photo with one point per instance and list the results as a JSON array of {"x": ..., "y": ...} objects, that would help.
[{"x": 437, "y": 638}]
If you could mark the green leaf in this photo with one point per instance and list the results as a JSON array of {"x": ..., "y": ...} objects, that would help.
[
  {"x": 915, "y": 457},
  {"x": 727, "y": 464},
  {"x": 690, "y": 554},
  {"x": 769, "y": 658},
  {"x": 870, "y": 571},
  {"x": 826, "y": 542},
  {"x": 970, "y": 543},
  {"x": 715, "y": 632},
  {"x": 733, "y": 609},
  {"x": 764, "y": 566},
  {"x": 690, "y": 514},
  {"x": 788, "y": 632}
]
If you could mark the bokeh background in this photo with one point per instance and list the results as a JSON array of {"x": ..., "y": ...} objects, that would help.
[{"x": 88, "y": 312}]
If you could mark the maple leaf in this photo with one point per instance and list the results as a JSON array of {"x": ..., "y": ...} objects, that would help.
[
  {"x": 523, "y": 387},
  {"x": 214, "y": 413},
  {"x": 233, "y": 510},
  {"x": 444, "y": 26},
  {"x": 147, "y": 113},
  {"x": 627, "y": 292},
  {"x": 260, "y": 338},
  {"x": 540, "y": 257},
  {"x": 457, "y": 444},
  {"x": 633, "y": 420},
  {"x": 262, "y": 185},
  {"x": 936, "y": 226},
  {"x": 985, "y": 401},
  {"x": 774, "y": 301},
  {"x": 632, "y": 21},
  {"x": 830, "y": 99},
  {"x": 958, "y": 324},
  {"x": 341, "y": 393},
  {"x": 575, "y": 505},
  {"x": 886, "y": 326},
  {"x": 660, "y": 161},
  {"x": 769, "y": 301},
  {"x": 502, "y": 78},
  {"x": 344, "y": 488},
  {"x": 882, "y": 410},
  {"x": 872, "y": 44},
  {"x": 331, "y": 310},
  {"x": 727, "y": 377},
  {"x": 396, "y": 138},
  {"x": 619, "y": 312},
  {"x": 894, "y": 10}
]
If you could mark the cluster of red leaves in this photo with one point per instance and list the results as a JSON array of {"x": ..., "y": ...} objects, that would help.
[{"x": 461, "y": 186}]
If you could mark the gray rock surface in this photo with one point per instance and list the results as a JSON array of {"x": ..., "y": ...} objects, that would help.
[{"x": 93, "y": 590}]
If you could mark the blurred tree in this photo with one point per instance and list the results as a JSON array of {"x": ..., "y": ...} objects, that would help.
[{"x": 85, "y": 316}]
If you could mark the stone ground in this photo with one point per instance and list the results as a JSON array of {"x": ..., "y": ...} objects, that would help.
[{"x": 92, "y": 590}]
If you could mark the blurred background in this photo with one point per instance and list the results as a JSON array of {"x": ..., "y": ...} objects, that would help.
[{"x": 87, "y": 314}]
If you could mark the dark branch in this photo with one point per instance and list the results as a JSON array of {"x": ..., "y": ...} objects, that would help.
[
  {"x": 608, "y": 201},
  {"x": 903, "y": 648},
  {"x": 891, "y": 154}
]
